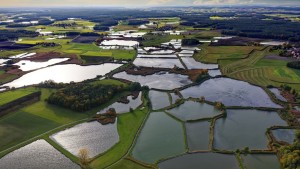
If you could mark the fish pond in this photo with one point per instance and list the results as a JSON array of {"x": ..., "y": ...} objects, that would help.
[
  {"x": 159, "y": 100},
  {"x": 285, "y": 135},
  {"x": 205, "y": 160},
  {"x": 197, "y": 134},
  {"x": 231, "y": 93},
  {"x": 244, "y": 128},
  {"x": 36, "y": 155},
  {"x": 157, "y": 62},
  {"x": 93, "y": 136},
  {"x": 27, "y": 65},
  {"x": 161, "y": 80},
  {"x": 161, "y": 137},
  {"x": 261, "y": 161},
  {"x": 191, "y": 110},
  {"x": 64, "y": 74},
  {"x": 125, "y": 108}
]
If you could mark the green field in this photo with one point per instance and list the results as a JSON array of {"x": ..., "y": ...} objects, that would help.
[
  {"x": 117, "y": 54},
  {"x": 33, "y": 120},
  {"x": 9, "y": 96},
  {"x": 263, "y": 72},
  {"x": 211, "y": 54}
]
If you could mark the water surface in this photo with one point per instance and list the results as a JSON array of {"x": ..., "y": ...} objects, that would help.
[
  {"x": 197, "y": 134},
  {"x": 261, "y": 161},
  {"x": 231, "y": 93},
  {"x": 36, "y": 155},
  {"x": 201, "y": 161},
  {"x": 245, "y": 128},
  {"x": 161, "y": 80},
  {"x": 286, "y": 135},
  {"x": 64, "y": 74},
  {"x": 93, "y": 136},
  {"x": 191, "y": 110},
  {"x": 159, "y": 100},
  {"x": 161, "y": 137},
  {"x": 27, "y": 65}
]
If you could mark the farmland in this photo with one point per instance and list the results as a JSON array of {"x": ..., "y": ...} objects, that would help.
[{"x": 174, "y": 88}]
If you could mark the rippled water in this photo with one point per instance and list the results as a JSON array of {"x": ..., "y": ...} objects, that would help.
[
  {"x": 286, "y": 135},
  {"x": 201, "y": 161},
  {"x": 245, "y": 128},
  {"x": 197, "y": 134},
  {"x": 161, "y": 137},
  {"x": 63, "y": 73},
  {"x": 27, "y": 65},
  {"x": 159, "y": 99},
  {"x": 157, "y": 62},
  {"x": 231, "y": 93},
  {"x": 36, "y": 155},
  {"x": 125, "y": 108},
  {"x": 162, "y": 80},
  {"x": 93, "y": 136},
  {"x": 191, "y": 110}
]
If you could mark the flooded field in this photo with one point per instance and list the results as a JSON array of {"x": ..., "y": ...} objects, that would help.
[
  {"x": 205, "y": 160},
  {"x": 93, "y": 136},
  {"x": 119, "y": 43},
  {"x": 26, "y": 65},
  {"x": 157, "y": 62},
  {"x": 63, "y": 73},
  {"x": 162, "y": 80},
  {"x": 158, "y": 141},
  {"x": 261, "y": 161},
  {"x": 158, "y": 56},
  {"x": 191, "y": 110},
  {"x": 231, "y": 93},
  {"x": 36, "y": 155},
  {"x": 251, "y": 125},
  {"x": 159, "y": 99},
  {"x": 191, "y": 63},
  {"x": 197, "y": 135},
  {"x": 285, "y": 135},
  {"x": 277, "y": 93},
  {"x": 125, "y": 108},
  {"x": 214, "y": 73}
]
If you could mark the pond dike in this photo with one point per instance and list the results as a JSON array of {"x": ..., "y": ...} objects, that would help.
[{"x": 18, "y": 103}]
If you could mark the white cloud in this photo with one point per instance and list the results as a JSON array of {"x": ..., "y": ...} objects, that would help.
[
  {"x": 221, "y": 2},
  {"x": 158, "y": 2}
]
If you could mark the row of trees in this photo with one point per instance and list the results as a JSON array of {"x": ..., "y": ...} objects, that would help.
[{"x": 85, "y": 96}]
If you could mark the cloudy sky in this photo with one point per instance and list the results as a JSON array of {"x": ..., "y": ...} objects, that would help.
[{"x": 49, "y": 3}]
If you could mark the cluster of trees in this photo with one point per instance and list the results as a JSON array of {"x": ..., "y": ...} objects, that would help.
[
  {"x": 85, "y": 96},
  {"x": 290, "y": 154},
  {"x": 294, "y": 65},
  {"x": 190, "y": 42},
  {"x": 52, "y": 84},
  {"x": 15, "y": 34},
  {"x": 64, "y": 25},
  {"x": 47, "y": 44}
]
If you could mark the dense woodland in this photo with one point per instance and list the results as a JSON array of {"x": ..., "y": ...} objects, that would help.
[{"x": 85, "y": 96}]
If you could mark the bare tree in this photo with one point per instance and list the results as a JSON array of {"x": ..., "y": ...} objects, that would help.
[{"x": 84, "y": 157}]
